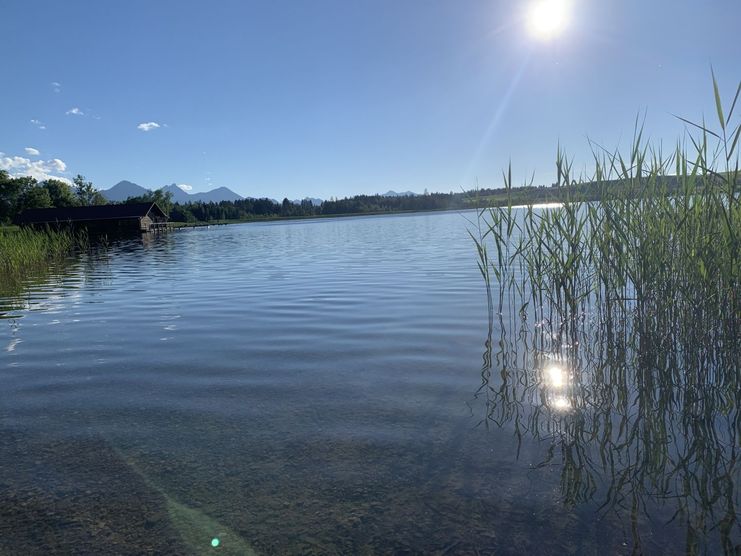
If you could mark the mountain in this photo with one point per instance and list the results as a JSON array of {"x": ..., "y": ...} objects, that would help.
[
  {"x": 315, "y": 201},
  {"x": 215, "y": 195},
  {"x": 123, "y": 190},
  {"x": 178, "y": 195},
  {"x": 399, "y": 194}
]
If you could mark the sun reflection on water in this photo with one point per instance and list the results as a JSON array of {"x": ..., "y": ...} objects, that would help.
[
  {"x": 560, "y": 403},
  {"x": 556, "y": 376},
  {"x": 556, "y": 383}
]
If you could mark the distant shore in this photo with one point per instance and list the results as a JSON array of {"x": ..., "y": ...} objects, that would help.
[{"x": 180, "y": 225}]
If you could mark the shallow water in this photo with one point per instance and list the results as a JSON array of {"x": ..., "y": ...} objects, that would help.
[{"x": 300, "y": 387}]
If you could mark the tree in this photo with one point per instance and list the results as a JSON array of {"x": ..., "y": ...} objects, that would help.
[
  {"x": 60, "y": 193},
  {"x": 9, "y": 190},
  {"x": 86, "y": 192},
  {"x": 182, "y": 213},
  {"x": 162, "y": 198},
  {"x": 307, "y": 207},
  {"x": 34, "y": 196}
]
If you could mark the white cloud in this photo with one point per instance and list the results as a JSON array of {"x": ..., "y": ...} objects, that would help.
[
  {"x": 75, "y": 112},
  {"x": 38, "y": 124},
  {"x": 58, "y": 165},
  {"x": 185, "y": 187},
  {"x": 31, "y": 151},
  {"x": 148, "y": 126},
  {"x": 56, "y": 86},
  {"x": 18, "y": 166}
]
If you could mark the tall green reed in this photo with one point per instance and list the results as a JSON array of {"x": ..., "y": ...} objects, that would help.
[
  {"x": 633, "y": 294},
  {"x": 28, "y": 250},
  {"x": 654, "y": 241}
]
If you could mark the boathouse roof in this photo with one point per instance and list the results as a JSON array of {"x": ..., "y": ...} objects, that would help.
[{"x": 92, "y": 213}]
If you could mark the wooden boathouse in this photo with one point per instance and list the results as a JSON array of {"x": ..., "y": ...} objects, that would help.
[{"x": 123, "y": 218}]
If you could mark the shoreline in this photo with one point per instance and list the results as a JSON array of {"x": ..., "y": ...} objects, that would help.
[{"x": 180, "y": 225}]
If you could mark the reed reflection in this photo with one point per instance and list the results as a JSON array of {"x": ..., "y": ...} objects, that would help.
[{"x": 643, "y": 429}]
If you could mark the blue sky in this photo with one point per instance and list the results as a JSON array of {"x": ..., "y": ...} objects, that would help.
[{"x": 335, "y": 98}]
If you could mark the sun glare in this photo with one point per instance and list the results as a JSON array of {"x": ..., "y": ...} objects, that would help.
[
  {"x": 556, "y": 376},
  {"x": 547, "y": 19},
  {"x": 560, "y": 403}
]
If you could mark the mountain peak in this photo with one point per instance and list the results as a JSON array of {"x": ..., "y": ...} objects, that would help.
[
  {"x": 125, "y": 189},
  {"x": 214, "y": 196}
]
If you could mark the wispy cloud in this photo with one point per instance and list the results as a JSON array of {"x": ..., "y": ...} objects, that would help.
[
  {"x": 148, "y": 126},
  {"x": 56, "y": 86},
  {"x": 31, "y": 151},
  {"x": 74, "y": 112},
  {"x": 40, "y": 169},
  {"x": 38, "y": 124},
  {"x": 185, "y": 187}
]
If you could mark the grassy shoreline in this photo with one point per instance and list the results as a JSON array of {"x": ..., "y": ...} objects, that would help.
[{"x": 23, "y": 250}]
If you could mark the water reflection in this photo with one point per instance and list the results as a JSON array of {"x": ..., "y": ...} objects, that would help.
[
  {"x": 556, "y": 381},
  {"x": 643, "y": 423}
]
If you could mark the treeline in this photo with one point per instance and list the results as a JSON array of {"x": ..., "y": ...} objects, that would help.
[
  {"x": 246, "y": 209},
  {"x": 22, "y": 193}
]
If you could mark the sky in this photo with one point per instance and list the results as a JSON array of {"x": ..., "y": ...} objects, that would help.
[{"x": 333, "y": 98}]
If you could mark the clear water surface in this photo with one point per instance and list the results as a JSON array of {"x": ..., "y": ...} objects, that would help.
[{"x": 290, "y": 387}]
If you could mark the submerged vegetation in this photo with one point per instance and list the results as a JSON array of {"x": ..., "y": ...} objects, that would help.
[{"x": 618, "y": 323}]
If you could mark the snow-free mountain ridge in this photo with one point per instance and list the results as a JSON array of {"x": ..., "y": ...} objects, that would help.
[{"x": 125, "y": 189}]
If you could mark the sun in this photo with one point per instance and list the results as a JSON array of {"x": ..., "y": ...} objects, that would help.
[{"x": 548, "y": 19}]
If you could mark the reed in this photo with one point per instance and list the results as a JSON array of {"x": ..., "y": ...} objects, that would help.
[
  {"x": 661, "y": 238},
  {"x": 619, "y": 322},
  {"x": 26, "y": 250}
]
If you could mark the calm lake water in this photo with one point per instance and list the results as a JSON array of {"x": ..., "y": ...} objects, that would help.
[{"x": 307, "y": 387}]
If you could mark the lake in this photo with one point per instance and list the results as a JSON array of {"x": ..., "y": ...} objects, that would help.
[{"x": 321, "y": 386}]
